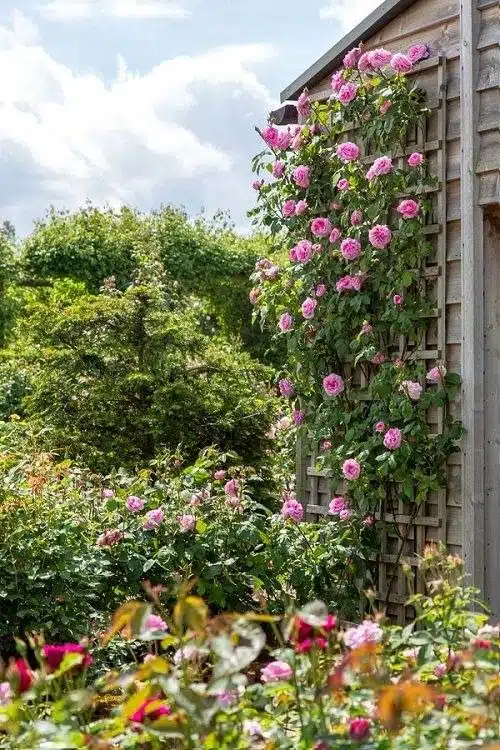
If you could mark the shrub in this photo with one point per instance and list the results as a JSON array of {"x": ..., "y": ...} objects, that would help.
[{"x": 214, "y": 682}]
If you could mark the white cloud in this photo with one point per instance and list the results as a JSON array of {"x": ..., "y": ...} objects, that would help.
[
  {"x": 179, "y": 133},
  {"x": 74, "y": 10},
  {"x": 347, "y": 12}
]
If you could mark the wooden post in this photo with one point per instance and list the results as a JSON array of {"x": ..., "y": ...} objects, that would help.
[{"x": 472, "y": 303}]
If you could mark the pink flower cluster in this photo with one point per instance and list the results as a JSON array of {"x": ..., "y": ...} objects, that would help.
[
  {"x": 349, "y": 284},
  {"x": 303, "y": 105},
  {"x": 362, "y": 635},
  {"x": 350, "y": 248},
  {"x": 347, "y": 151},
  {"x": 187, "y": 522},
  {"x": 408, "y": 208},
  {"x": 412, "y": 388},
  {"x": 416, "y": 159},
  {"x": 232, "y": 487},
  {"x": 109, "y": 538},
  {"x": 321, "y": 227},
  {"x": 285, "y": 322},
  {"x": 333, "y": 384},
  {"x": 134, "y": 504},
  {"x": 393, "y": 438},
  {"x": 276, "y": 671},
  {"x": 298, "y": 416},
  {"x": 154, "y": 519},
  {"x": 335, "y": 235},
  {"x": 351, "y": 469},
  {"x": 380, "y": 236},
  {"x": 291, "y": 508},
  {"x": 155, "y": 622},
  {"x": 339, "y": 507},
  {"x": 436, "y": 375},
  {"x": 301, "y": 176},
  {"x": 302, "y": 252},
  {"x": 286, "y": 387},
  {"x": 382, "y": 165},
  {"x": 276, "y": 139},
  {"x": 308, "y": 307},
  {"x": 347, "y": 93}
]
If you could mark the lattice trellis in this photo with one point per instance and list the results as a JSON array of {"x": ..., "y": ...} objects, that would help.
[{"x": 416, "y": 527}]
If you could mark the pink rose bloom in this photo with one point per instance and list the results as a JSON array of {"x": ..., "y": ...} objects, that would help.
[
  {"x": 337, "y": 504},
  {"x": 320, "y": 290},
  {"x": 338, "y": 81},
  {"x": 359, "y": 729},
  {"x": 393, "y": 438},
  {"x": 308, "y": 307},
  {"x": 219, "y": 475},
  {"x": 301, "y": 176},
  {"x": 5, "y": 693},
  {"x": 303, "y": 105},
  {"x": 348, "y": 93},
  {"x": 379, "y": 358},
  {"x": 366, "y": 328},
  {"x": 361, "y": 635},
  {"x": 108, "y": 493},
  {"x": 380, "y": 57},
  {"x": 298, "y": 416},
  {"x": 155, "y": 622},
  {"x": 401, "y": 63},
  {"x": 187, "y": 522},
  {"x": 291, "y": 508},
  {"x": 301, "y": 207},
  {"x": 440, "y": 670},
  {"x": 286, "y": 388},
  {"x": 276, "y": 671},
  {"x": 408, "y": 208},
  {"x": 109, "y": 538},
  {"x": 345, "y": 514},
  {"x": 343, "y": 184},
  {"x": 254, "y": 295},
  {"x": 285, "y": 322},
  {"x": 351, "y": 469},
  {"x": 278, "y": 169},
  {"x": 257, "y": 184},
  {"x": 348, "y": 284},
  {"x": 347, "y": 151},
  {"x": 417, "y": 52},
  {"x": 356, "y": 218},
  {"x": 320, "y": 227},
  {"x": 351, "y": 58},
  {"x": 379, "y": 427},
  {"x": 134, "y": 504},
  {"x": 288, "y": 208},
  {"x": 436, "y": 374},
  {"x": 382, "y": 165},
  {"x": 154, "y": 519},
  {"x": 350, "y": 248},
  {"x": 364, "y": 62},
  {"x": 283, "y": 141},
  {"x": 415, "y": 159},
  {"x": 356, "y": 282},
  {"x": 271, "y": 272},
  {"x": 270, "y": 135},
  {"x": 385, "y": 107},
  {"x": 303, "y": 251},
  {"x": 380, "y": 235},
  {"x": 335, "y": 235},
  {"x": 333, "y": 384},
  {"x": 412, "y": 388},
  {"x": 232, "y": 486},
  {"x": 397, "y": 299}
]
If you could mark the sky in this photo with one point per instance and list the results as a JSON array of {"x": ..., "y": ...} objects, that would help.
[{"x": 147, "y": 102}]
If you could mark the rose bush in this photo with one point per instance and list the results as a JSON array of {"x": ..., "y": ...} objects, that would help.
[
  {"x": 353, "y": 368},
  {"x": 310, "y": 683}
]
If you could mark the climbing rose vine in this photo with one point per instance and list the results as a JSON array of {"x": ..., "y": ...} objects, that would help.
[{"x": 350, "y": 299}]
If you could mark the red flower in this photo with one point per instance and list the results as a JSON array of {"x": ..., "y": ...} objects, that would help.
[
  {"x": 482, "y": 643},
  {"x": 146, "y": 712},
  {"x": 359, "y": 729},
  {"x": 303, "y": 630},
  {"x": 304, "y": 646},
  {"x": 321, "y": 643},
  {"x": 54, "y": 654},
  {"x": 330, "y": 623},
  {"x": 21, "y": 675}
]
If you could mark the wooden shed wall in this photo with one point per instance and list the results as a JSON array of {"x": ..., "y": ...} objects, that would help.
[{"x": 437, "y": 23}]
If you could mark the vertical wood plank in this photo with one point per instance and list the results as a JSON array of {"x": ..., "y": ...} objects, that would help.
[{"x": 472, "y": 307}]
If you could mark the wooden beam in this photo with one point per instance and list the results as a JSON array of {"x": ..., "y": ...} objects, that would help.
[{"x": 472, "y": 302}]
